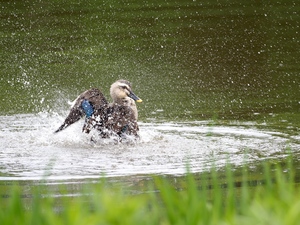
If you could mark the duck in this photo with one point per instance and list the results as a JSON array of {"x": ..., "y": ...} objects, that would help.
[{"x": 118, "y": 118}]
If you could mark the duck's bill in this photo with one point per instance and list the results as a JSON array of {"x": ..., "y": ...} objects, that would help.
[{"x": 134, "y": 97}]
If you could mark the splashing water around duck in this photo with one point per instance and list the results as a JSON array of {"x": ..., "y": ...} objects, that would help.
[{"x": 163, "y": 148}]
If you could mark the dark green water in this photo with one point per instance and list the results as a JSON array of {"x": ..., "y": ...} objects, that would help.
[
  {"x": 193, "y": 59},
  {"x": 236, "y": 62}
]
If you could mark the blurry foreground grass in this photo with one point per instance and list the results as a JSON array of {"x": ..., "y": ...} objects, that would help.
[{"x": 204, "y": 199}]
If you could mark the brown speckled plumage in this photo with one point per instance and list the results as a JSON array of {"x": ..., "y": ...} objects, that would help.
[{"x": 116, "y": 118}]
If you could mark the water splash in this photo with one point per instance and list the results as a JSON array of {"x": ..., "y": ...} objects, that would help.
[{"x": 30, "y": 150}]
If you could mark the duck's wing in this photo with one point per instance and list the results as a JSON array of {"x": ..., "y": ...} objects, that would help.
[{"x": 84, "y": 105}]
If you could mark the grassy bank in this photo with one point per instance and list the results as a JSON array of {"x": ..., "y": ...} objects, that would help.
[{"x": 207, "y": 198}]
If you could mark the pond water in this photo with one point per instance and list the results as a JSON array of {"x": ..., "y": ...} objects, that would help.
[
  {"x": 219, "y": 82},
  {"x": 31, "y": 151}
]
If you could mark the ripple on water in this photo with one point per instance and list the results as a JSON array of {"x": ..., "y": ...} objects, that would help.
[{"x": 30, "y": 150}]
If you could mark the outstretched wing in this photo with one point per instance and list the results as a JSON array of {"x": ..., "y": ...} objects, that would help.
[{"x": 85, "y": 105}]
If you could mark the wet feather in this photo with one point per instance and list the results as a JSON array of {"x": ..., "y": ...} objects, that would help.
[{"x": 116, "y": 118}]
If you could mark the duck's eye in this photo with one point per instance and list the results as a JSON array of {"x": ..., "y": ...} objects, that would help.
[{"x": 124, "y": 88}]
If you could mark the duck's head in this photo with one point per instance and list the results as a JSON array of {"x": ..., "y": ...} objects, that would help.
[{"x": 121, "y": 90}]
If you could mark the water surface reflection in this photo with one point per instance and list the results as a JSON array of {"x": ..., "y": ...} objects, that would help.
[
  {"x": 190, "y": 61},
  {"x": 30, "y": 150}
]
